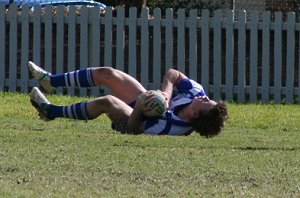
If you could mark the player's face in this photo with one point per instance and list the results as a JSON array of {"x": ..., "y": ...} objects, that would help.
[{"x": 202, "y": 103}]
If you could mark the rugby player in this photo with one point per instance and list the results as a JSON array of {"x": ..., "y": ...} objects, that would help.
[{"x": 189, "y": 108}]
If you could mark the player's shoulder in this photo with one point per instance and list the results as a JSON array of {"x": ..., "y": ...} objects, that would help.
[{"x": 188, "y": 84}]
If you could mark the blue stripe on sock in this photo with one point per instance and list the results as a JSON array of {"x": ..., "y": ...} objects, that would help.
[
  {"x": 75, "y": 111},
  {"x": 79, "y": 78}
]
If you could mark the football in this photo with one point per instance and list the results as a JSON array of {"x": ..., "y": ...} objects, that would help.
[{"x": 157, "y": 106}]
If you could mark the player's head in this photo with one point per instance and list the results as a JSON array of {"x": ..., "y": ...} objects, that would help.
[{"x": 210, "y": 118}]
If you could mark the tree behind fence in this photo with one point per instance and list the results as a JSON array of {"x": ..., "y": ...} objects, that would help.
[{"x": 234, "y": 56}]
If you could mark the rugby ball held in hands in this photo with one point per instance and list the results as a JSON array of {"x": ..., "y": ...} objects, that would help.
[{"x": 157, "y": 106}]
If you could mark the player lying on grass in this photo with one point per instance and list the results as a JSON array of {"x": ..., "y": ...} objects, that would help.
[{"x": 189, "y": 108}]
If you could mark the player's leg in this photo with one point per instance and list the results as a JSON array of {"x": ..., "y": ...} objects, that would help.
[
  {"x": 78, "y": 78},
  {"x": 120, "y": 84},
  {"x": 117, "y": 111},
  {"x": 114, "y": 108}
]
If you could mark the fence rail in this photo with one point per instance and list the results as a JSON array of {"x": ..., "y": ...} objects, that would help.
[{"x": 236, "y": 57}]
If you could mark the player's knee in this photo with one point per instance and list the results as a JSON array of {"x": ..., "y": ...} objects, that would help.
[
  {"x": 104, "y": 73},
  {"x": 105, "y": 101}
]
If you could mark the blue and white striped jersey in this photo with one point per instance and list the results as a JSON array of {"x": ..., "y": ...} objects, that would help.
[{"x": 169, "y": 123}]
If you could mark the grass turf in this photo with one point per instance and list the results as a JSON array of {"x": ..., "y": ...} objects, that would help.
[{"x": 258, "y": 155}]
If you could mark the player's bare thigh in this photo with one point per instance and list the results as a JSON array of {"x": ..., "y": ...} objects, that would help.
[{"x": 121, "y": 85}]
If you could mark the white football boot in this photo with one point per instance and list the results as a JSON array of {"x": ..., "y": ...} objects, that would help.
[
  {"x": 42, "y": 76},
  {"x": 40, "y": 103}
]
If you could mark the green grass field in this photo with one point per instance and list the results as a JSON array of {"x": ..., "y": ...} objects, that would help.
[{"x": 258, "y": 155}]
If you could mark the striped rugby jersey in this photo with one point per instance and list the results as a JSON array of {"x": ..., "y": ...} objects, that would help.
[{"x": 169, "y": 123}]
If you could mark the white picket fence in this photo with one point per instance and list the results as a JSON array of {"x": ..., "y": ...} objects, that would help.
[{"x": 232, "y": 57}]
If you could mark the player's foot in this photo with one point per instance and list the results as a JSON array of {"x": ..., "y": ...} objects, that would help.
[
  {"x": 40, "y": 103},
  {"x": 42, "y": 76}
]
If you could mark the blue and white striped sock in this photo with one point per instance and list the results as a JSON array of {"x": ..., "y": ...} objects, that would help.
[
  {"x": 78, "y": 78},
  {"x": 75, "y": 111}
]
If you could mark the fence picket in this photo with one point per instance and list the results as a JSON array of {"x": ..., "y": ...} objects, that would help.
[
  {"x": 120, "y": 45},
  {"x": 217, "y": 51},
  {"x": 229, "y": 55},
  {"x": 107, "y": 41},
  {"x": 132, "y": 51},
  {"x": 48, "y": 38},
  {"x": 144, "y": 47},
  {"x": 13, "y": 43},
  {"x": 204, "y": 24},
  {"x": 71, "y": 44},
  {"x": 2, "y": 46},
  {"x": 181, "y": 40},
  {"x": 84, "y": 47},
  {"x": 290, "y": 57},
  {"x": 298, "y": 84},
  {"x": 241, "y": 55},
  {"x": 60, "y": 32},
  {"x": 157, "y": 49},
  {"x": 193, "y": 73},
  {"x": 24, "y": 49},
  {"x": 266, "y": 57},
  {"x": 95, "y": 44},
  {"x": 169, "y": 39},
  {"x": 37, "y": 35},
  {"x": 253, "y": 56},
  {"x": 108, "y": 37},
  {"x": 277, "y": 57}
]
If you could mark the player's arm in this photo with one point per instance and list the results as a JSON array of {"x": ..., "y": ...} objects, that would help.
[
  {"x": 171, "y": 79},
  {"x": 135, "y": 124}
]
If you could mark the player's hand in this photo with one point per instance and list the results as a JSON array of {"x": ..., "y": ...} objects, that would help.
[
  {"x": 166, "y": 97},
  {"x": 143, "y": 100}
]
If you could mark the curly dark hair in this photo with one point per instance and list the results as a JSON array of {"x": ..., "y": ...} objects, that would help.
[{"x": 210, "y": 123}]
